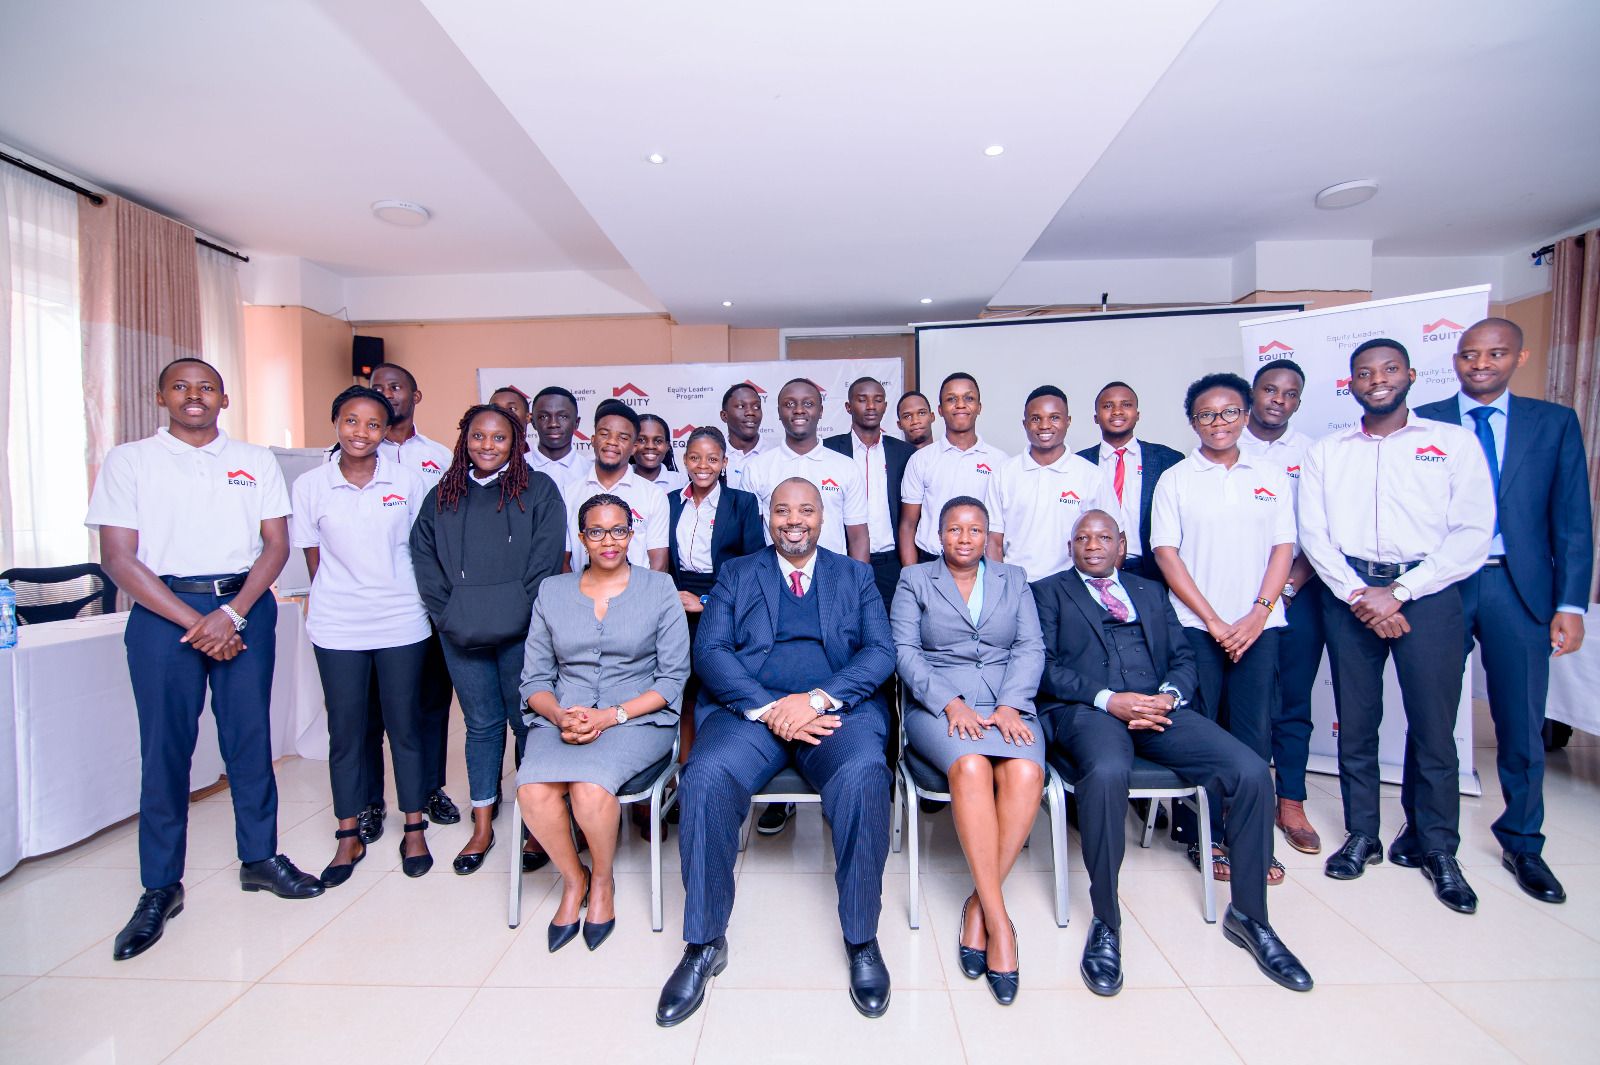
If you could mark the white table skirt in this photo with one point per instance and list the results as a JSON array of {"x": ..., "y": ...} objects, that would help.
[{"x": 69, "y": 732}]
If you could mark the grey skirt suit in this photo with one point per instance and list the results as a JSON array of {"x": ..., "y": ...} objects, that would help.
[
  {"x": 640, "y": 645},
  {"x": 942, "y": 655}
]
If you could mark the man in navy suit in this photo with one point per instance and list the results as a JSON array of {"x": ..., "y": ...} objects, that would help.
[
  {"x": 1527, "y": 603},
  {"x": 1131, "y": 469},
  {"x": 792, "y": 647},
  {"x": 882, "y": 462}
]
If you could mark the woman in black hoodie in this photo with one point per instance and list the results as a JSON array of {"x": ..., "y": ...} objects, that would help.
[{"x": 489, "y": 532}]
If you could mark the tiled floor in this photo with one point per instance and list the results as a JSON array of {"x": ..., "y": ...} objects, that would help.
[{"x": 391, "y": 970}]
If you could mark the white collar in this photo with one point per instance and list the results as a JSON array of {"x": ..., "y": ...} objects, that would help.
[
  {"x": 178, "y": 447},
  {"x": 944, "y": 444},
  {"x": 1205, "y": 465},
  {"x": 380, "y": 473},
  {"x": 1467, "y": 404},
  {"x": 711, "y": 497},
  {"x": 1107, "y": 452},
  {"x": 785, "y": 567},
  {"x": 472, "y": 471},
  {"x": 1031, "y": 463},
  {"x": 814, "y": 455},
  {"x": 855, "y": 439},
  {"x": 1115, "y": 579},
  {"x": 625, "y": 481}
]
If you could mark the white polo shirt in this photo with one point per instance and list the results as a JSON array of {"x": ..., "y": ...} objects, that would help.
[
  {"x": 1039, "y": 505},
  {"x": 647, "y": 503},
  {"x": 940, "y": 472},
  {"x": 427, "y": 458},
  {"x": 1132, "y": 491},
  {"x": 364, "y": 596},
  {"x": 696, "y": 527},
  {"x": 197, "y": 510},
  {"x": 1224, "y": 523},
  {"x": 733, "y": 470},
  {"x": 844, "y": 494},
  {"x": 873, "y": 462},
  {"x": 1287, "y": 453},
  {"x": 573, "y": 466},
  {"x": 670, "y": 481}
]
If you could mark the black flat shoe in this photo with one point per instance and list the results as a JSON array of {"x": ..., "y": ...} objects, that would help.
[
  {"x": 560, "y": 935},
  {"x": 1534, "y": 877},
  {"x": 467, "y": 864},
  {"x": 155, "y": 908},
  {"x": 440, "y": 810},
  {"x": 334, "y": 875},
  {"x": 533, "y": 861},
  {"x": 418, "y": 866},
  {"x": 973, "y": 961},
  {"x": 1276, "y": 961},
  {"x": 1101, "y": 967},
  {"x": 1449, "y": 883},
  {"x": 1406, "y": 851},
  {"x": 1003, "y": 986},
  {"x": 369, "y": 823},
  {"x": 1352, "y": 859},
  {"x": 869, "y": 979},
  {"x": 279, "y": 876},
  {"x": 685, "y": 989}
]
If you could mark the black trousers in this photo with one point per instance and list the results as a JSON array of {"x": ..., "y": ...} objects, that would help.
[
  {"x": 1516, "y": 661},
  {"x": 924, "y": 556},
  {"x": 434, "y": 697},
  {"x": 886, "y": 574},
  {"x": 1299, "y": 657},
  {"x": 1428, "y": 661},
  {"x": 1241, "y": 697},
  {"x": 1140, "y": 566},
  {"x": 1199, "y": 751},
  {"x": 347, "y": 688}
]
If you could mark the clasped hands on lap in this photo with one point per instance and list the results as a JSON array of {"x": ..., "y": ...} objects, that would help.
[
  {"x": 970, "y": 725},
  {"x": 1141, "y": 711},
  {"x": 793, "y": 718}
]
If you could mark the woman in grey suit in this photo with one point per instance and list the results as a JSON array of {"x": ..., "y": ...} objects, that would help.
[
  {"x": 970, "y": 654},
  {"x": 603, "y": 673}
]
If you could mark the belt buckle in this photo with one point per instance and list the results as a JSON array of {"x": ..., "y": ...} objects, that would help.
[{"x": 216, "y": 586}]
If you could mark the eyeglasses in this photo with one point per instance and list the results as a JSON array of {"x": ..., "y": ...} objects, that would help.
[
  {"x": 594, "y": 536},
  {"x": 1227, "y": 414}
]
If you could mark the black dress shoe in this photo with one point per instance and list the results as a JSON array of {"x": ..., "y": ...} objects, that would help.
[
  {"x": 466, "y": 864},
  {"x": 974, "y": 962},
  {"x": 560, "y": 935},
  {"x": 156, "y": 907},
  {"x": 1352, "y": 859},
  {"x": 685, "y": 989},
  {"x": 1101, "y": 967},
  {"x": 869, "y": 979},
  {"x": 1534, "y": 876},
  {"x": 1272, "y": 957},
  {"x": 1449, "y": 883},
  {"x": 279, "y": 876},
  {"x": 1003, "y": 986},
  {"x": 533, "y": 861},
  {"x": 334, "y": 875},
  {"x": 369, "y": 822},
  {"x": 774, "y": 817},
  {"x": 1406, "y": 850},
  {"x": 439, "y": 808},
  {"x": 418, "y": 866}
]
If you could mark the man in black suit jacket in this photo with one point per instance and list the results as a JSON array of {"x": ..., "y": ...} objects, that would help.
[
  {"x": 1131, "y": 469},
  {"x": 1119, "y": 676},
  {"x": 1527, "y": 603},
  {"x": 882, "y": 461}
]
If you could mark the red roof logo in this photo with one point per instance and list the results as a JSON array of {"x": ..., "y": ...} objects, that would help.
[
  {"x": 1262, "y": 493},
  {"x": 1276, "y": 345},
  {"x": 429, "y": 464},
  {"x": 681, "y": 433},
  {"x": 630, "y": 387},
  {"x": 580, "y": 436},
  {"x": 242, "y": 475},
  {"x": 984, "y": 466},
  {"x": 1444, "y": 323},
  {"x": 636, "y": 515},
  {"x": 1430, "y": 450},
  {"x": 1343, "y": 382},
  {"x": 1292, "y": 469},
  {"x": 759, "y": 390},
  {"x": 829, "y": 482},
  {"x": 1070, "y": 495},
  {"x": 394, "y": 498}
]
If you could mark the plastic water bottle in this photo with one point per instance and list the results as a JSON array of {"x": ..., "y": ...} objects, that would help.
[{"x": 8, "y": 616}]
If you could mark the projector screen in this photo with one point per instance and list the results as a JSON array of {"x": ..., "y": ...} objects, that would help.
[{"x": 1156, "y": 352}]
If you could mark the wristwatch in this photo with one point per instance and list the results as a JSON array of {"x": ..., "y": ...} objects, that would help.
[
  {"x": 704, "y": 599},
  {"x": 819, "y": 702},
  {"x": 1401, "y": 593},
  {"x": 238, "y": 620},
  {"x": 622, "y": 715},
  {"x": 1288, "y": 590}
]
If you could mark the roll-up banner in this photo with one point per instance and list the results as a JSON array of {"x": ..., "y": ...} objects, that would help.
[
  {"x": 1320, "y": 341},
  {"x": 688, "y": 395}
]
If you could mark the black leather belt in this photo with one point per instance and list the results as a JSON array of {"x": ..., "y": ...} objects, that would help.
[
  {"x": 1495, "y": 560},
  {"x": 879, "y": 556},
  {"x": 219, "y": 586},
  {"x": 1387, "y": 571}
]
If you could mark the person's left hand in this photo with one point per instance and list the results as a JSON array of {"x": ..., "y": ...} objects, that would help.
[
  {"x": 691, "y": 602},
  {"x": 1245, "y": 632},
  {"x": 1566, "y": 633},
  {"x": 1009, "y": 721},
  {"x": 1374, "y": 604},
  {"x": 788, "y": 714},
  {"x": 582, "y": 724},
  {"x": 212, "y": 635}
]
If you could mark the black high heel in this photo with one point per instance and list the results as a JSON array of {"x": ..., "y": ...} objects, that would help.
[
  {"x": 973, "y": 961},
  {"x": 1003, "y": 986},
  {"x": 334, "y": 875},
  {"x": 418, "y": 866},
  {"x": 465, "y": 864},
  {"x": 562, "y": 934},
  {"x": 595, "y": 934}
]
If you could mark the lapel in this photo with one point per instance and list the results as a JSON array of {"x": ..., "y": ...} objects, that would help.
[
  {"x": 1150, "y": 618},
  {"x": 1519, "y": 429},
  {"x": 1149, "y": 474},
  {"x": 946, "y": 586},
  {"x": 674, "y": 512},
  {"x": 994, "y": 585},
  {"x": 839, "y": 603},
  {"x": 1078, "y": 592},
  {"x": 768, "y": 579},
  {"x": 724, "y": 524}
]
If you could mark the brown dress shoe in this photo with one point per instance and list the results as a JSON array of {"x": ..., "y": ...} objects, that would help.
[{"x": 1296, "y": 829}]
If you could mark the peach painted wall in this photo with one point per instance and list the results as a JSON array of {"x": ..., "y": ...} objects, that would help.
[
  {"x": 1533, "y": 315},
  {"x": 296, "y": 361}
]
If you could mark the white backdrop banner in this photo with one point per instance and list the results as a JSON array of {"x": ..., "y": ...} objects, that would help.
[
  {"x": 688, "y": 395},
  {"x": 1320, "y": 342}
]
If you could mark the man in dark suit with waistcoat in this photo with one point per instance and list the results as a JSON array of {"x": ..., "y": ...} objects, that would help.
[
  {"x": 1526, "y": 605},
  {"x": 1131, "y": 469},
  {"x": 1118, "y": 681},
  {"x": 792, "y": 647}
]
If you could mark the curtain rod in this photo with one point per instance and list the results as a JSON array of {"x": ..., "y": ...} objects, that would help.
[{"x": 97, "y": 199}]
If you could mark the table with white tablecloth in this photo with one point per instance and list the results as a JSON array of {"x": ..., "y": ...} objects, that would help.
[{"x": 69, "y": 732}]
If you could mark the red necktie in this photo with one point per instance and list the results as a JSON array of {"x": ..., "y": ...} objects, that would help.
[
  {"x": 1122, "y": 472},
  {"x": 794, "y": 583},
  {"x": 1109, "y": 601}
]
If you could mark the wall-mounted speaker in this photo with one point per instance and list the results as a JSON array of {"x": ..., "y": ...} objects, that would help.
[{"x": 365, "y": 353}]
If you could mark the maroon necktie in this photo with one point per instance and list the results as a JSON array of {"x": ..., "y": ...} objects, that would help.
[
  {"x": 794, "y": 583},
  {"x": 1109, "y": 601}
]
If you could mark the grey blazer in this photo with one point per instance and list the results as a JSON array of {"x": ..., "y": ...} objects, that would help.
[
  {"x": 942, "y": 655},
  {"x": 643, "y": 643}
]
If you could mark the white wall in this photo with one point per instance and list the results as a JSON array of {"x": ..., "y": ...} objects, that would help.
[{"x": 1138, "y": 281}]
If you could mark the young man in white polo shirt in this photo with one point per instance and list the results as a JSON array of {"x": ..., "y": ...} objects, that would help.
[
  {"x": 741, "y": 414},
  {"x": 194, "y": 526},
  {"x": 1044, "y": 491},
  {"x": 555, "y": 420},
  {"x": 844, "y": 493},
  {"x": 616, "y": 427},
  {"x": 957, "y": 464}
]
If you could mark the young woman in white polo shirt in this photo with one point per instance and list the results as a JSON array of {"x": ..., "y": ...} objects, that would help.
[
  {"x": 352, "y": 517},
  {"x": 652, "y": 455},
  {"x": 1223, "y": 533}
]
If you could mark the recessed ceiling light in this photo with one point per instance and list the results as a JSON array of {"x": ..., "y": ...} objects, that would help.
[
  {"x": 1346, "y": 194},
  {"x": 655, "y": 157},
  {"x": 401, "y": 213},
  {"x": 926, "y": 300},
  {"x": 994, "y": 149},
  {"x": 727, "y": 303}
]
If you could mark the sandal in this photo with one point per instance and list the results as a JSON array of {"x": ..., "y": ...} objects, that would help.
[
  {"x": 1276, "y": 873},
  {"x": 1220, "y": 869}
]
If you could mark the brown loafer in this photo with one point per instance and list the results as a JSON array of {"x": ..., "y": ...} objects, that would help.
[{"x": 1296, "y": 829}]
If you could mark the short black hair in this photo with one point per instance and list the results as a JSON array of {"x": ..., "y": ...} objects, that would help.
[
  {"x": 1380, "y": 342},
  {"x": 1216, "y": 380},
  {"x": 616, "y": 408},
  {"x": 515, "y": 391},
  {"x": 962, "y": 501},
  {"x": 363, "y": 392},
  {"x": 803, "y": 381},
  {"x": 395, "y": 366},
  {"x": 961, "y": 375},
  {"x": 1114, "y": 384},
  {"x": 734, "y": 388},
  {"x": 1498, "y": 323},
  {"x": 867, "y": 380},
  {"x": 907, "y": 395},
  {"x": 161, "y": 378},
  {"x": 555, "y": 390},
  {"x": 602, "y": 499},
  {"x": 1045, "y": 390},
  {"x": 1279, "y": 364},
  {"x": 708, "y": 432}
]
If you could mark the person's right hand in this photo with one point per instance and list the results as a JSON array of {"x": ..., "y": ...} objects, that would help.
[
  {"x": 1141, "y": 711},
  {"x": 1221, "y": 631},
  {"x": 691, "y": 602},
  {"x": 213, "y": 634},
  {"x": 573, "y": 718},
  {"x": 964, "y": 720},
  {"x": 814, "y": 730},
  {"x": 1392, "y": 627}
]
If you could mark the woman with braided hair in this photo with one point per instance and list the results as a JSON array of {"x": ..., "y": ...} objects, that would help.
[{"x": 488, "y": 534}]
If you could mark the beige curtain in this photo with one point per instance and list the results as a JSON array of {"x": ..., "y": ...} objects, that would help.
[
  {"x": 222, "y": 332},
  {"x": 1574, "y": 379}
]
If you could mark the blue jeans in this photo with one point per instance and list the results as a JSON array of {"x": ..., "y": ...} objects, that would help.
[{"x": 487, "y": 681}]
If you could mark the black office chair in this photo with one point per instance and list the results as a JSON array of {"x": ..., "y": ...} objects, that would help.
[{"x": 59, "y": 593}]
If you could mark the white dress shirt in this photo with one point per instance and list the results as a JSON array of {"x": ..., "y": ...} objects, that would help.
[
  {"x": 647, "y": 503},
  {"x": 573, "y": 466},
  {"x": 736, "y": 461},
  {"x": 1038, "y": 506},
  {"x": 873, "y": 462},
  {"x": 1224, "y": 523},
  {"x": 1132, "y": 490},
  {"x": 197, "y": 510},
  {"x": 844, "y": 493},
  {"x": 1422, "y": 492},
  {"x": 785, "y": 567},
  {"x": 696, "y": 526},
  {"x": 941, "y": 471},
  {"x": 422, "y": 456}
]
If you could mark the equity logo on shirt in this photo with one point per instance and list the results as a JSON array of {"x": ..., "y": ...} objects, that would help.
[
  {"x": 1265, "y": 495},
  {"x": 982, "y": 467},
  {"x": 829, "y": 482},
  {"x": 1430, "y": 454},
  {"x": 1071, "y": 497},
  {"x": 394, "y": 499},
  {"x": 431, "y": 466},
  {"x": 637, "y": 517},
  {"x": 1293, "y": 471},
  {"x": 241, "y": 477}
]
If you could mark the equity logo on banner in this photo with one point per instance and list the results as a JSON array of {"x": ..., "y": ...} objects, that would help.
[
  {"x": 1341, "y": 386},
  {"x": 1443, "y": 329},
  {"x": 631, "y": 394},
  {"x": 1277, "y": 349}
]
